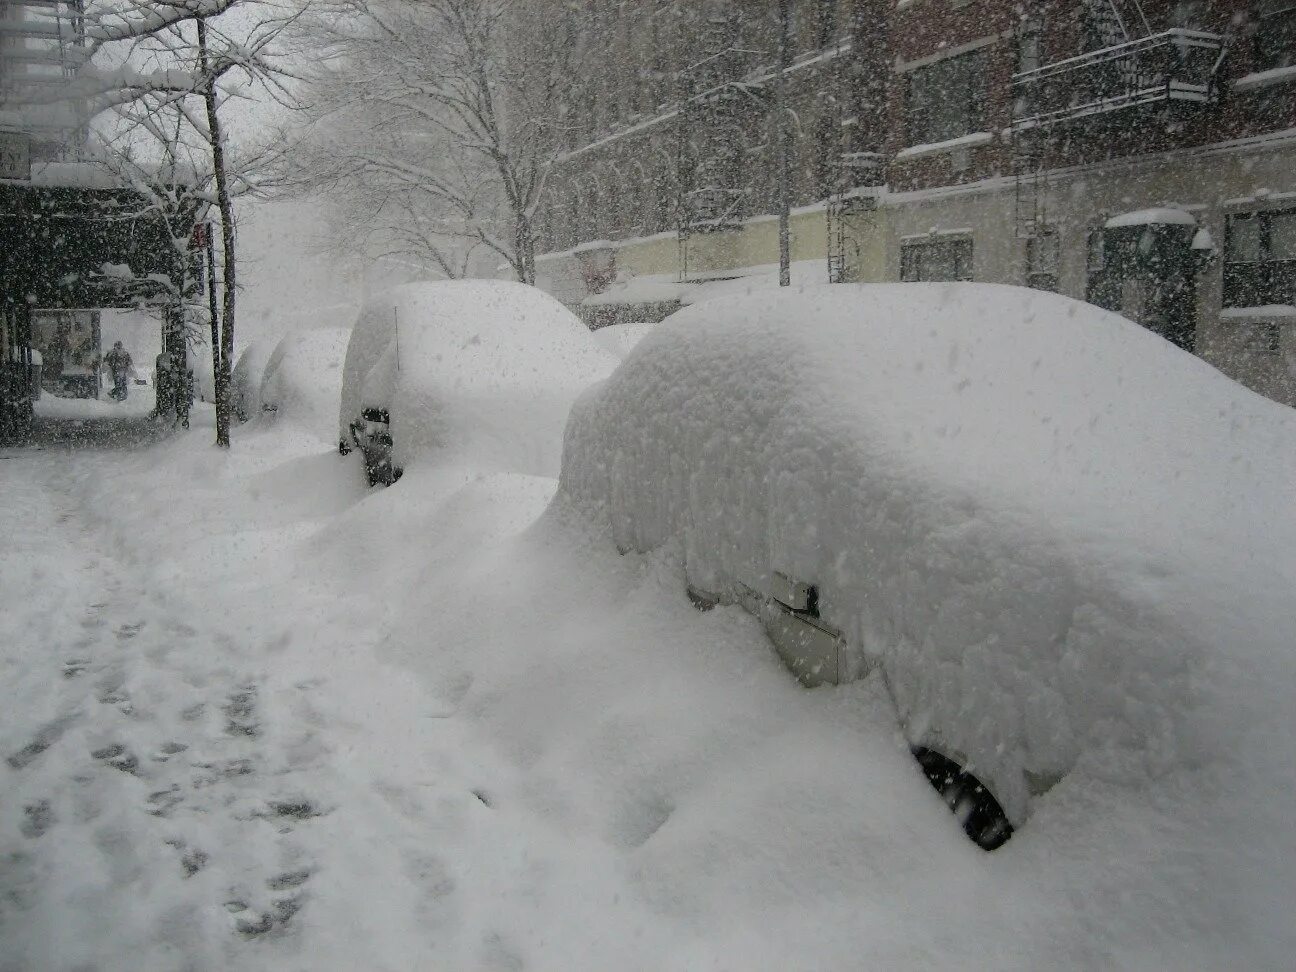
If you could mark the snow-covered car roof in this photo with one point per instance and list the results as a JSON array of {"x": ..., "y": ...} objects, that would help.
[
  {"x": 484, "y": 370},
  {"x": 1043, "y": 520}
]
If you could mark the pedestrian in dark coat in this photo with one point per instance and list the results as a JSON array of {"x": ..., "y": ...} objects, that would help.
[{"x": 119, "y": 364}]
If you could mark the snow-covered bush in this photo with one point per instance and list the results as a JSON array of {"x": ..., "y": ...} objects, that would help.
[{"x": 1063, "y": 541}]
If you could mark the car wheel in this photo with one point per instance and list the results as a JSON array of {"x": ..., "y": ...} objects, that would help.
[{"x": 975, "y": 807}]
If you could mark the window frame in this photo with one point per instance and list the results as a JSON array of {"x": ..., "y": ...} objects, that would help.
[
  {"x": 932, "y": 121},
  {"x": 1274, "y": 39},
  {"x": 913, "y": 252},
  {"x": 1265, "y": 279}
]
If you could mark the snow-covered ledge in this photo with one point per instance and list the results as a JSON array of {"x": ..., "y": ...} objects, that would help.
[
  {"x": 1264, "y": 312},
  {"x": 949, "y": 145},
  {"x": 593, "y": 246},
  {"x": 1263, "y": 79},
  {"x": 1156, "y": 216}
]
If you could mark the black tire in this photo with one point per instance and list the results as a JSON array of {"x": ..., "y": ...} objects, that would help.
[{"x": 981, "y": 815}]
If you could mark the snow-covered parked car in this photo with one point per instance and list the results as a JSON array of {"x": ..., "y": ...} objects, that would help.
[
  {"x": 1056, "y": 539},
  {"x": 303, "y": 377},
  {"x": 245, "y": 379},
  {"x": 477, "y": 374}
]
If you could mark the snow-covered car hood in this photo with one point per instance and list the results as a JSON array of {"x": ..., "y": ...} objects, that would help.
[{"x": 1047, "y": 524}]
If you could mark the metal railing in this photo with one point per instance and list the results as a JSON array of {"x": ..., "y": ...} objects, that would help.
[{"x": 1174, "y": 65}]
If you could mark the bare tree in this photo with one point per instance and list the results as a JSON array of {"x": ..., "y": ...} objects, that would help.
[
  {"x": 439, "y": 124},
  {"x": 152, "y": 61}
]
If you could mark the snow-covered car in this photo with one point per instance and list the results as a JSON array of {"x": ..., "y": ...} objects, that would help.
[
  {"x": 303, "y": 377},
  {"x": 478, "y": 374},
  {"x": 246, "y": 378},
  {"x": 1055, "y": 538}
]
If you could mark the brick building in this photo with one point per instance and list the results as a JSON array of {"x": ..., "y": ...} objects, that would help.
[{"x": 1138, "y": 155}]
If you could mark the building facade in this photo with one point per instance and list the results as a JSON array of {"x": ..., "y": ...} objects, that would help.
[{"x": 1139, "y": 155}]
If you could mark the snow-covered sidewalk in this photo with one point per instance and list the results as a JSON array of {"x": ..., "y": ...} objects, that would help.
[{"x": 172, "y": 776}]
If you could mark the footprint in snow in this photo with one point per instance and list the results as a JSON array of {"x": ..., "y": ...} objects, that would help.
[
  {"x": 240, "y": 713},
  {"x": 45, "y": 737},
  {"x": 129, "y": 631},
  {"x": 118, "y": 757},
  {"x": 38, "y": 817}
]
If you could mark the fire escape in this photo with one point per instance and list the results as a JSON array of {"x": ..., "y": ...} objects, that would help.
[
  {"x": 1129, "y": 69},
  {"x": 857, "y": 174},
  {"x": 715, "y": 100}
]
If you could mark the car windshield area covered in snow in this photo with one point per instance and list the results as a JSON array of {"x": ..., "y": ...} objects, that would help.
[{"x": 647, "y": 484}]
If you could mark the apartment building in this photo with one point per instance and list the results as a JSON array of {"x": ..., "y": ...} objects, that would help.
[{"x": 1140, "y": 155}]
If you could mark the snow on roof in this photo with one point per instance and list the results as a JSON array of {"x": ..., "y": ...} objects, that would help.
[
  {"x": 1263, "y": 312},
  {"x": 1158, "y": 216},
  {"x": 73, "y": 175},
  {"x": 594, "y": 245}
]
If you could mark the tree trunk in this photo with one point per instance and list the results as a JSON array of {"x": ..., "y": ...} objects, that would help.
[
  {"x": 214, "y": 317},
  {"x": 226, "y": 206},
  {"x": 784, "y": 143}
]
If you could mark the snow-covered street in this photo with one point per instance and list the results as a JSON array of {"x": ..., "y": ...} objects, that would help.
[{"x": 259, "y": 716}]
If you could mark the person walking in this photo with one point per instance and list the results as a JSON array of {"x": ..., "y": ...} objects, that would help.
[{"x": 119, "y": 364}]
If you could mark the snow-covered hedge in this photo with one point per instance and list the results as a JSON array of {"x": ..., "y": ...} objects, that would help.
[{"x": 1063, "y": 540}]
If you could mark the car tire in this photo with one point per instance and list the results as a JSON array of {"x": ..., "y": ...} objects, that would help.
[{"x": 980, "y": 814}]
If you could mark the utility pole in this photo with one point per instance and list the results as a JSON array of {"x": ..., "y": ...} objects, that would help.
[{"x": 784, "y": 142}]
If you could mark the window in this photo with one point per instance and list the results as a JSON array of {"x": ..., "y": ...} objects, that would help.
[
  {"x": 1042, "y": 255},
  {"x": 1028, "y": 45},
  {"x": 936, "y": 260},
  {"x": 1264, "y": 338},
  {"x": 946, "y": 99},
  {"x": 1187, "y": 14},
  {"x": 826, "y": 22},
  {"x": 1260, "y": 259},
  {"x": 1275, "y": 36},
  {"x": 1096, "y": 257}
]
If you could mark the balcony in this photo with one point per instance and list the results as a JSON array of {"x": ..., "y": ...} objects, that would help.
[{"x": 1172, "y": 66}]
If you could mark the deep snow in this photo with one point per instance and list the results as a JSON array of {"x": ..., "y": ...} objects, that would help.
[{"x": 459, "y": 731}]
